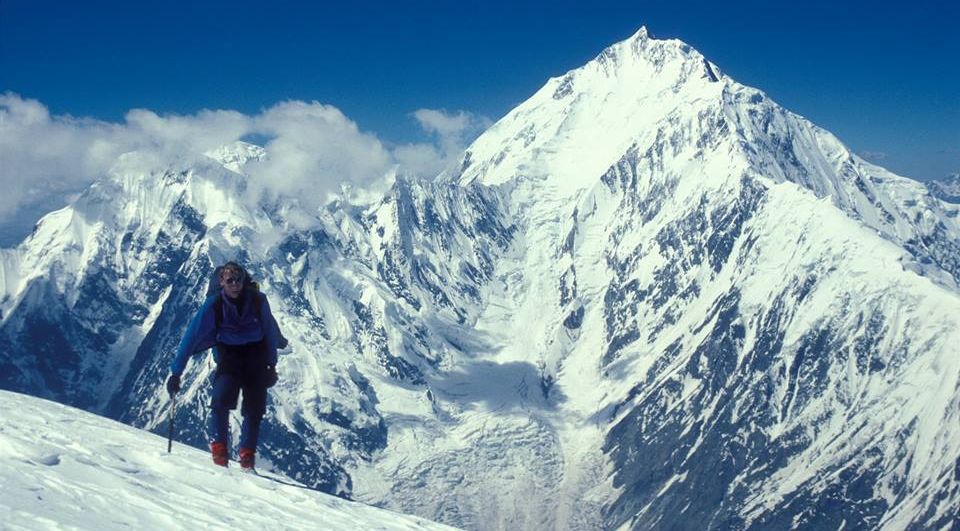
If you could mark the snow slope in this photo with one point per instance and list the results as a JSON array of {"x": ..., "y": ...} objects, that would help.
[{"x": 62, "y": 468}]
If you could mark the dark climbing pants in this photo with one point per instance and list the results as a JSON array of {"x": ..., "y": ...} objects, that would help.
[{"x": 240, "y": 369}]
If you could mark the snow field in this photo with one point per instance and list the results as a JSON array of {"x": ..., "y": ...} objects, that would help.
[{"x": 62, "y": 468}]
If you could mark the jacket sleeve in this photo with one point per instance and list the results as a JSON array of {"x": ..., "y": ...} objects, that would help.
[
  {"x": 271, "y": 330},
  {"x": 200, "y": 335}
]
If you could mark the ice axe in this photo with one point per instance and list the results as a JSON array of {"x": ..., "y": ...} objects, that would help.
[{"x": 173, "y": 413}]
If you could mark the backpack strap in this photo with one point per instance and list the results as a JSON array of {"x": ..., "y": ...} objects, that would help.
[
  {"x": 217, "y": 313},
  {"x": 255, "y": 300}
]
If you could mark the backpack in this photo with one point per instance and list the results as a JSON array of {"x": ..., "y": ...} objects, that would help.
[{"x": 249, "y": 285}]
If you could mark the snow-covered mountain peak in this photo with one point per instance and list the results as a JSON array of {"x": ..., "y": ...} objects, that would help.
[
  {"x": 142, "y": 201},
  {"x": 237, "y": 154},
  {"x": 641, "y": 33},
  {"x": 644, "y": 51},
  {"x": 660, "y": 106},
  {"x": 578, "y": 125}
]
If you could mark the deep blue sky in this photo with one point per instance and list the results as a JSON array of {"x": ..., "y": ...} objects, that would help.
[{"x": 881, "y": 75}]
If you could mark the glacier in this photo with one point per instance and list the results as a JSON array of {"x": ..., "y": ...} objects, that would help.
[{"x": 648, "y": 297}]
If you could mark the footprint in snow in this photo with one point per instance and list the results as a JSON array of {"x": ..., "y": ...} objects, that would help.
[{"x": 49, "y": 460}]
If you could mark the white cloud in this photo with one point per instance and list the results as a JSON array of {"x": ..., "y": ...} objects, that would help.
[
  {"x": 442, "y": 123},
  {"x": 42, "y": 154},
  {"x": 177, "y": 136},
  {"x": 313, "y": 149},
  {"x": 452, "y": 131},
  {"x": 419, "y": 159}
]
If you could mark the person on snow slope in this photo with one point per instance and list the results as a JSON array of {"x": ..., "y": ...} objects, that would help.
[{"x": 237, "y": 322}]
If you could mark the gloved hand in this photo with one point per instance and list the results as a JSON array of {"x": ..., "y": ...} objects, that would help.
[
  {"x": 173, "y": 384},
  {"x": 272, "y": 377}
]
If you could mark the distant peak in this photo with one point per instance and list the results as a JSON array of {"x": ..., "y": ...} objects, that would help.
[
  {"x": 947, "y": 189},
  {"x": 642, "y": 47},
  {"x": 234, "y": 155},
  {"x": 641, "y": 34}
]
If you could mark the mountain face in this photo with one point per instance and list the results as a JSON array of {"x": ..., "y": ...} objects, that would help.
[
  {"x": 648, "y": 298},
  {"x": 947, "y": 190}
]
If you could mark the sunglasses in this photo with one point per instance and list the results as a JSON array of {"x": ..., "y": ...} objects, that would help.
[{"x": 232, "y": 280}]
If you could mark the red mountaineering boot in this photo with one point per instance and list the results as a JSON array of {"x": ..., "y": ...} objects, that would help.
[
  {"x": 247, "y": 458},
  {"x": 220, "y": 454}
]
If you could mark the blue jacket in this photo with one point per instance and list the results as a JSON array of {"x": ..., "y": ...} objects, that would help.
[{"x": 235, "y": 329}]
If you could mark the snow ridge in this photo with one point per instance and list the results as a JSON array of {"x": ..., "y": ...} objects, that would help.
[{"x": 79, "y": 478}]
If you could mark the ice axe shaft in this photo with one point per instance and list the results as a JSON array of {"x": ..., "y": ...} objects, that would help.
[{"x": 173, "y": 413}]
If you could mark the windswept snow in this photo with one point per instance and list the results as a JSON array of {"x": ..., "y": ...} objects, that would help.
[{"x": 62, "y": 468}]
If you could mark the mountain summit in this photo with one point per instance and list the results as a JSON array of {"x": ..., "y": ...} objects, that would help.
[
  {"x": 576, "y": 124},
  {"x": 649, "y": 298},
  {"x": 663, "y": 100}
]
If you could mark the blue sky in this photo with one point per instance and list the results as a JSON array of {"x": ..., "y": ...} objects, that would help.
[{"x": 883, "y": 76}]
